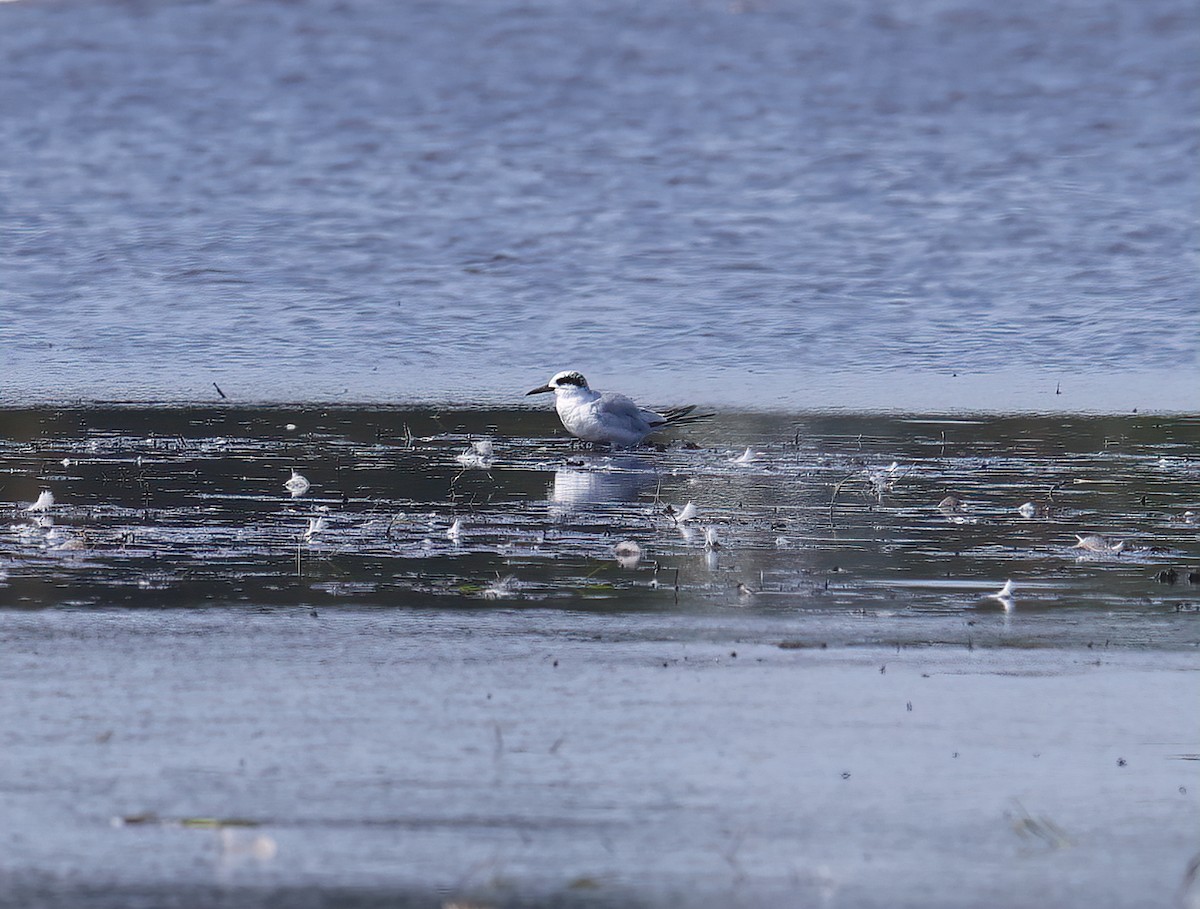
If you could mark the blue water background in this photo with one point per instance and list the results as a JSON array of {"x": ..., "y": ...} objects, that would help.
[{"x": 832, "y": 203}]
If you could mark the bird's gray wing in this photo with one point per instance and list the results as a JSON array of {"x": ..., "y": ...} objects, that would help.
[{"x": 621, "y": 410}]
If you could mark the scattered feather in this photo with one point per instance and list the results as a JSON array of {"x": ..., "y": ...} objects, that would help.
[
  {"x": 955, "y": 511},
  {"x": 503, "y": 588},
  {"x": 628, "y": 553},
  {"x": 454, "y": 531},
  {"x": 711, "y": 542},
  {"x": 1004, "y": 595},
  {"x": 479, "y": 455},
  {"x": 748, "y": 457},
  {"x": 297, "y": 485},
  {"x": 315, "y": 526},
  {"x": 45, "y": 501},
  {"x": 685, "y": 514},
  {"x": 883, "y": 479},
  {"x": 1094, "y": 542}
]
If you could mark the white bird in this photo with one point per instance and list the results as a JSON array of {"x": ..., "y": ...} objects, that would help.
[{"x": 610, "y": 417}]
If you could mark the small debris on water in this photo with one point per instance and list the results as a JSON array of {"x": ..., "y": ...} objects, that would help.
[
  {"x": 628, "y": 553},
  {"x": 297, "y": 485},
  {"x": 1094, "y": 542},
  {"x": 45, "y": 501},
  {"x": 502, "y": 589},
  {"x": 685, "y": 514},
  {"x": 711, "y": 541},
  {"x": 479, "y": 455}
]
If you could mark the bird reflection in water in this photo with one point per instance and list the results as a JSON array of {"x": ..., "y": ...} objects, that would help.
[{"x": 609, "y": 481}]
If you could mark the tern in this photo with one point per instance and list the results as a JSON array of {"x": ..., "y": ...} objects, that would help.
[{"x": 608, "y": 418}]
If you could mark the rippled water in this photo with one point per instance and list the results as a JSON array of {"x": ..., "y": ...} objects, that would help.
[
  {"x": 757, "y": 203},
  {"x": 866, "y": 529},
  {"x": 428, "y": 680}
]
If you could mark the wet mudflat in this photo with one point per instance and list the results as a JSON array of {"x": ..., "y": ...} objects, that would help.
[
  {"x": 226, "y": 757},
  {"x": 428, "y": 678}
]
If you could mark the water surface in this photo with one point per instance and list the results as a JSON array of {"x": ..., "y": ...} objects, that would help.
[
  {"x": 926, "y": 207},
  {"x": 854, "y": 529}
]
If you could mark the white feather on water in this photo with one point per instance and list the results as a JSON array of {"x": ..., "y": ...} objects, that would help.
[
  {"x": 297, "y": 485},
  {"x": 628, "y": 553},
  {"x": 685, "y": 514},
  {"x": 503, "y": 588},
  {"x": 45, "y": 501},
  {"x": 479, "y": 456},
  {"x": 1094, "y": 542},
  {"x": 1005, "y": 595}
]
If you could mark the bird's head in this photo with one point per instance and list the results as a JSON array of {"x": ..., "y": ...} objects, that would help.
[{"x": 566, "y": 379}]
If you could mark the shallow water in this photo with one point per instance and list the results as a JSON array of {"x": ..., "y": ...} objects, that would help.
[
  {"x": 827, "y": 219},
  {"x": 201, "y": 707},
  {"x": 836, "y": 524},
  {"x": 780, "y": 204}
]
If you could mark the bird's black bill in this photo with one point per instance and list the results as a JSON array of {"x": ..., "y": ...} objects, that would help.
[{"x": 539, "y": 391}]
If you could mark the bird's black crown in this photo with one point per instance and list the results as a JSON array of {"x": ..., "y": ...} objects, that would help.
[{"x": 570, "y": 378}]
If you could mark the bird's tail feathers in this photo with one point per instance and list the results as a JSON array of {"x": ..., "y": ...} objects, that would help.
[{"x": 681, "y": 416}]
